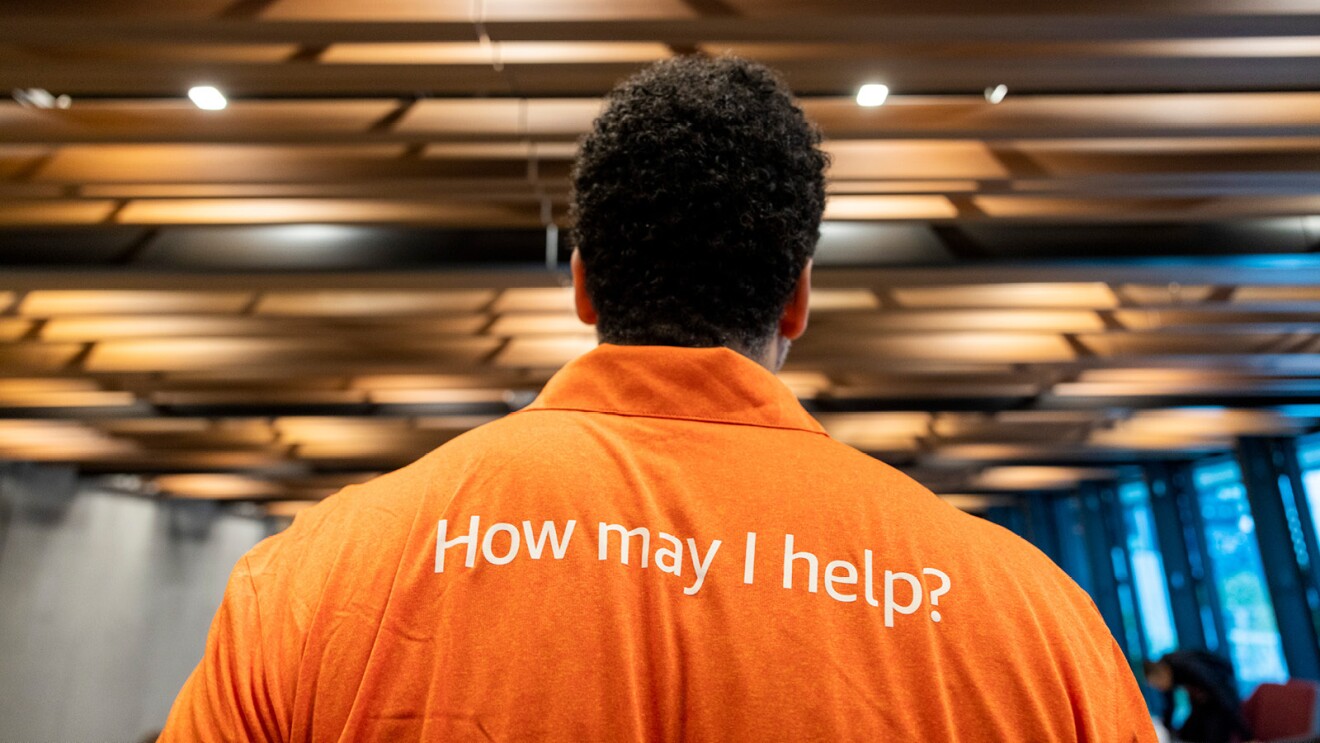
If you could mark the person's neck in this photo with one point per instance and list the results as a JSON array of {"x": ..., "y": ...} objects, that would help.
[{"x": 771, "y": 357}]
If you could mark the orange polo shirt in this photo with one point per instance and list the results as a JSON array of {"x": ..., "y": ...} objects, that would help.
[{"x": 664, "y": 546}]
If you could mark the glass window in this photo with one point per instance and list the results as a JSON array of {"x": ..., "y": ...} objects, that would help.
[
  {"x": 1072, "y": 541},
  {"x": 1148, "y": 574},
  {"x": 1253, "y": 634},
  {"x": 1127, "y": 604},
  {"x": 1308, "y": 458}
]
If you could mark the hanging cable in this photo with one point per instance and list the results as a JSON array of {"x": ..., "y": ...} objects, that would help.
[{"x": 492, "y": 48}]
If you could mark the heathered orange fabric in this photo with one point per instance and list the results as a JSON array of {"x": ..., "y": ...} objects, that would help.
[{"x": 344, "y": 627}]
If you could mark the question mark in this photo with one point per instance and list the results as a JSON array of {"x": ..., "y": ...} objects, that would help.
[{"x": 938, "y": 592}]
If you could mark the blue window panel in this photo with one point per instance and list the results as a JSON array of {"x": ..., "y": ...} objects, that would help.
[
  {"x": 1308, "y": 459},
  {"x": 1148, "y": 576},
  {"x": 1127, "y": 604},
  {"x": 1072, "y": 542},
  {"x": 1311, "y": 481},
  {"x": 1253, "y": 634}
]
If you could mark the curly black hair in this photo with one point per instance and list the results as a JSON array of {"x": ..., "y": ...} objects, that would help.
[{"x": 697, "y": 200}]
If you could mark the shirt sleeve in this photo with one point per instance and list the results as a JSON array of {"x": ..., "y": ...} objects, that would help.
[
  {"x": 1135, "y": 724},
  {"x": 227, "y": 697}
]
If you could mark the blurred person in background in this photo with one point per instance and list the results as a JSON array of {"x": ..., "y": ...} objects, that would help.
[
  {"x": 665, "y": 545},
  {"x": 1216, "y": 710}
]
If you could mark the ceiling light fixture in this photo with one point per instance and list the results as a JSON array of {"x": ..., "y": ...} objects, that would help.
[
  {"x": 40, "y": 98},
  {"x": 996, "y": 94},
  {"x": 207, "y": 98},
  {"x": 872, "y": 95}
]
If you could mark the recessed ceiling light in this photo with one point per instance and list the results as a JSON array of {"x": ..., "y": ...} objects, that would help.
[
  {"x": 996, "y": 94},
  {"x": 207, "y": 98},
  {"x": 872, "y": 95},
  {"x": 40, "y": 98}
]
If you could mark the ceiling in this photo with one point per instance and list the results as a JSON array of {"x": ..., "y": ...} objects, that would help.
[{"x": 348, "y": 265}]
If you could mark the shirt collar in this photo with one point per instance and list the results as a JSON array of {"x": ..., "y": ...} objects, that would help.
[{"x": 702, "y": 384}]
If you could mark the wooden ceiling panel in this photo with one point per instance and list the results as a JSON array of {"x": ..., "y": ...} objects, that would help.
[
  {"x": 1043, "y": 321},
  {"x": 462, "y": 10},
  {"x": 18, "y": 161},
  {"x": 57, "y": 303},
  {"x": 838, "y": 186},
  {"x": 889, "y": 207},
  {"x": 521, "y": 150},
  {"x": 422, "y": 397},
  {"x": 834, "y": 300},
  {"x": 484, "y": 118},
  {"x": 1015, "y": 207},
  {"x": 346, "y": 10},
  {"x": 163, "y": 120},
  {"x": 805, "y": 384},
  {"x": 1045, "y": 295},
  {"x": 11, "y": 329},
  {"x": 189, "y": 163},
  {"x": 1226, "y": 320},
  {"x": 1247, "y": 47},
  {"x": 22, "y": 385},
  {"x": 1237, "y": 389},
  {"x": 992, "y": 347},
  {"x": 976, "y": 427},
  {"x": 551, "y": 117},
  {"x": 68, "y": 399},
  {"x": 195, "y": 10},
  {"x": 258, "y": 398},
  {"x": 540, "y": 323},
  {"x": 288, "y": 509},
  {"x": 254, "y": 437},
  {"x": 1165, "y": 294},
  {"x": 1299, "y": 296},
  {"x": 1211, "y": 423},
  {"x": 301, "y": 429},
  {"x": 454, "y": 424},
  {"x": 383, "y": 382},
  {"x": 917, "y": 159},
  {"x": 49, "y": 213},
  {"x": 535, "y": 300},
  {"x": 294, "y": 354},
  {"x": 1180, "y": 343},
  {"x": 170, "y": 52},
  {"x": 409, "y": 190},
  {"x": 326, "y": 211},
  {"x": 905, "y": 391},
  {"x": 877, "y": 431},
  {"x": 1062, "y": 116},
  {"x": 493, "y": 116},
  {"x": 510, "y": 52},
  {"x": 385, "y": 303},
  {"x": 58, "y": 441},
  {"x": 217, "y": 486},
  {"x": 135, "y": 326},
  {"x": 1038, "y": 478},
  {"x": 544, "y": 352}
]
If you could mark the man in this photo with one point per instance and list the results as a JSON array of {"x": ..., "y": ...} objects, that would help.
[{"x": 664, "y": 545}]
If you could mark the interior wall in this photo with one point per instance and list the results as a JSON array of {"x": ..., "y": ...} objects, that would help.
[{"x": 105, "y": 601}]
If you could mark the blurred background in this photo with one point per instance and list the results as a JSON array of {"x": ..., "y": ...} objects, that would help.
[{"x": 254, "y": 250}]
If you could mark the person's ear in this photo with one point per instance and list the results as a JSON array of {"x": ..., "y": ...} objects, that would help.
[
  {"x": 793, "y": 323},
  {"x": 586, "y": 312}
]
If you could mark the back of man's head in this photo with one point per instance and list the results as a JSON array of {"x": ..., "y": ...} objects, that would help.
[{"x": 698, "y": 197}]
